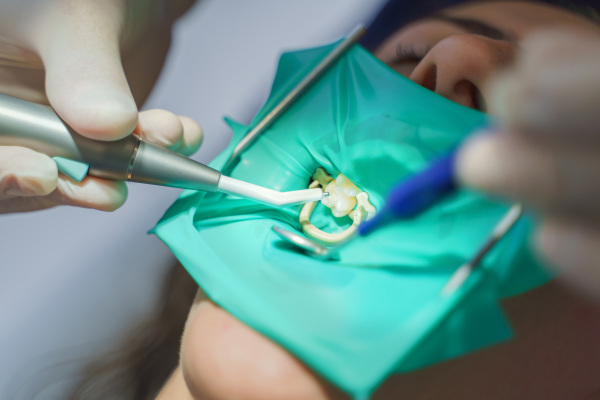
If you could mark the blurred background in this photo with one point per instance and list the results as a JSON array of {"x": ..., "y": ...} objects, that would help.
[{"x": 72, "y": 281}]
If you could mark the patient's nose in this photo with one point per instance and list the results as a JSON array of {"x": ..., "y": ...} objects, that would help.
[{"x": 458, "y": 66}]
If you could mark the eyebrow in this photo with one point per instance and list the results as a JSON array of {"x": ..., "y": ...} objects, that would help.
[{"x": 475, "y": 27}]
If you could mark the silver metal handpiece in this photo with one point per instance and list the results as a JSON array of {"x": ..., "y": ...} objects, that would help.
[
  {"x": 27, "y": 124},
  {"x": 37, "y": 127}
]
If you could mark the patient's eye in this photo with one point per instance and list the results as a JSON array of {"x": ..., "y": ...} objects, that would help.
[
  {"x": 406, "y": 52},
  {"x": 406, "y": 56},
  {"x": 345, "y": 198}
]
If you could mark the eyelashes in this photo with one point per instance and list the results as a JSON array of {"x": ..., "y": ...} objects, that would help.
[
  {"x": 404, "y": 57},
  {"x": 411, "y": 52}
]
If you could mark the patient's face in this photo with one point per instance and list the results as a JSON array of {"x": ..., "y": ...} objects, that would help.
[
  {"x": 456, "y": 51},
  {"x": 555, "y": 353}
]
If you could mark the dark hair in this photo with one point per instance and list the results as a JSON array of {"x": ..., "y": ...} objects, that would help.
[{"x": 397, "y": 13}]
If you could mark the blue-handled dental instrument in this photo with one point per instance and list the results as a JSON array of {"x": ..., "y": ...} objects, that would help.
[
  {"x": 419, "y": 192},
  {"x": 407, "y": 199},
  {"x": 414, "y": 195}
]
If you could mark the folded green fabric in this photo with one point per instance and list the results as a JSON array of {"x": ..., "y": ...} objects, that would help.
[{"x": 377, "y": 310}]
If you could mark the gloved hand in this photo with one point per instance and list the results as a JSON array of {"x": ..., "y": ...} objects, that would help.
[
  {"x": 546, "y": 152},
  {"x": 94, "y": 62}
]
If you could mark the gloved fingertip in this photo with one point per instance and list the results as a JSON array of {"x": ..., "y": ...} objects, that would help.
[
  {"x": 496, "y": 93},
  {"x": 572, "y": 251},
  {"x": 99, "y": 113},
  {"x": 93, "y": 193},
  {"x": 192, "y": 136},
  {"x": 546, "y": 239},
  {"x": 114, "y": 199},
  {"x": 479, "y": 163},
  {"x": 26, "y": 173},
  {"x": 161, "y": 127}
]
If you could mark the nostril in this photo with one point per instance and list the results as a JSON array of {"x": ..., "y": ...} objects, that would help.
[
  {"x": 425, "y": 75},
  {"x": 430, "y": 79},
  {"x": 467, "y": 94}
]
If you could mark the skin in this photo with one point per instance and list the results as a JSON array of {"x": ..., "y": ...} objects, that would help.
[{"x": 554, "y": 354}]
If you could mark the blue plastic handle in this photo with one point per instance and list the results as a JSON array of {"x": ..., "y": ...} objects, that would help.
[{"x": 416, "y": 194}]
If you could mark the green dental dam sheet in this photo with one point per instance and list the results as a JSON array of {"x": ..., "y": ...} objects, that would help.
[{"x": 378, "y": 309}]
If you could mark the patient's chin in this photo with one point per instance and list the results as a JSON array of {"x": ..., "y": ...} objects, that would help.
[
  {"x": 554, "y": 355},
  {"x": 222, "y": 358}
]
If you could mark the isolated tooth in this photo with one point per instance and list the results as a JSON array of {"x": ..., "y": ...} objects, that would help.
[
  {"x": 322, "y": 176},
  {"x": 331, "y": 200},
  {"x": 346, "y": 186},
  {"x": 366, "y": 209},
  {"x": 344, "y": 198},
  {"x": 339, "y": 202},
  {"x": 344, "y": 205}
]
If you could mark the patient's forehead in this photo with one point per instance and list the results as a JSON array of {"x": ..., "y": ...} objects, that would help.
[
  {"x": 517, "y": 18},
  {"x": 523, "y": 17}
]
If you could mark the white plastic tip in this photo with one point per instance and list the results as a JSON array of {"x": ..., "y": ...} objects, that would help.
[{"x": 267, "y": 196}]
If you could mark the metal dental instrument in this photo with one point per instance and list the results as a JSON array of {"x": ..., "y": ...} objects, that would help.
[
  {"x": 298, "y": 90},
  {"x": 409, "y": 198},
  {"x": 37, "y": 127},
  {"x": 312, "y": 248},
  {"x": 458, "y": 277},
  {"x": 501, "y": 229}
]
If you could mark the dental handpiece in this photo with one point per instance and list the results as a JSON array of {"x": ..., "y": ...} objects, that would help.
[{"x": 38, "y": 127}]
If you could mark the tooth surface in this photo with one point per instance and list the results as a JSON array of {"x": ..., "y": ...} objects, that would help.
[
  {"x": 340, "y": 203},
  {"x": 344, "y": 205},
  {"x": 344, "y": 198},
  {"x": 345, "y": 185},
  {"x": 363, "y": 202},
  {"x": 323, "y": 177},
  {"x": 331, "y": 200}
]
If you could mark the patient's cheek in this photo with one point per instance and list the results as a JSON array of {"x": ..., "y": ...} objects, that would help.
[
  {"x": 553, "y": 356},
  {"x": 222, "y": 358}
]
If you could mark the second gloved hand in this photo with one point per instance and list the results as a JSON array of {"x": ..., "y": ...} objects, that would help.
[{"x": 546, "y": 153}]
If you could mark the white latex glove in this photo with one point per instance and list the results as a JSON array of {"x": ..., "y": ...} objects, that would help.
[
  {"x": 547, "y": 152},
  {"x": 94, "y": 62}
]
